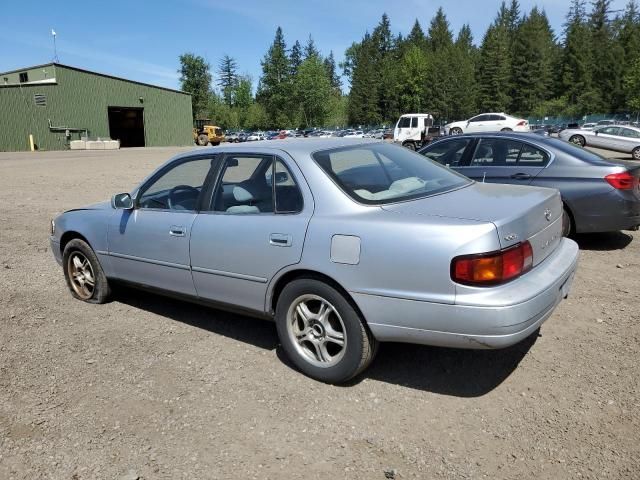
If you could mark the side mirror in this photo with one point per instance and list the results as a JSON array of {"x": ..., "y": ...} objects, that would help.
[{"x": 122, "y": 201}]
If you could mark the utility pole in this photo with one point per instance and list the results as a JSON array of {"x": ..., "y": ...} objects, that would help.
[{"x": 55, "y": 48}]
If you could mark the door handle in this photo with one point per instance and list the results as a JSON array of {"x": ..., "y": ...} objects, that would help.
[
  {"x": 176, "y": 231},
  {"x": 521, "y": 176},
  {"x": 280, "y": 239}
]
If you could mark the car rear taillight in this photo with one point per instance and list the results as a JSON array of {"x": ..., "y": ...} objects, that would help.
[
  {"x": 521, "y": 123},
  {"x": 494, "y": 267},
  {"x": 622, "y": 181}
]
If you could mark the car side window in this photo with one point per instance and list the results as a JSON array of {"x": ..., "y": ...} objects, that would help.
[
  {"x": 404, "y": 122},
  {"x": 495, "y": 152},
  {"x": 479, "y": 118},
  {"x": 243, "y": 186},
  {"x": 178, "y": 188},
  {"x": 627, "y": 132},
  {"x": 531, "y": 156},
  {"x": 609, "y": 130},
  {"x": 447, "y": 153},
  {"x": 288, "y": 198},
  {"x": 414, "y": 122}
]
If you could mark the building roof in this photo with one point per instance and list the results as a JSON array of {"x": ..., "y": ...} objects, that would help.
[{"x": 69, "y": 67}]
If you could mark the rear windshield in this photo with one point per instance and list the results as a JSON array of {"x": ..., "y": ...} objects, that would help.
[{"x": 380, "y": 173}]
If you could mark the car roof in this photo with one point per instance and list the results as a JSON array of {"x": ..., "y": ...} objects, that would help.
[{"x": 293, "y": 146}]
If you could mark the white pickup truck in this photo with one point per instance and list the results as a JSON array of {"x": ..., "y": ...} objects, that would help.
[{"x": 413, "y": 130}]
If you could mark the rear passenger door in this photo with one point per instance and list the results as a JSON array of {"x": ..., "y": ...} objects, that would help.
[
  {"x": 253, "y": 226},
  {"x": 501, "y": 160}
]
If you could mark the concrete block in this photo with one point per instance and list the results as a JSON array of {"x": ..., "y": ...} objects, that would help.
[{"x": 78, "y": 145}]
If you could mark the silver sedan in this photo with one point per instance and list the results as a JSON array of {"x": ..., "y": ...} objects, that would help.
[
  {"x": 619, "y": 138},
  {"x": 344, "y": 243}
]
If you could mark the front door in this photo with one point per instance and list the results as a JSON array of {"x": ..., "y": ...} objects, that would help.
[
  {"x": 149, "y": 245},
  {"x": 255, "y": 226}
]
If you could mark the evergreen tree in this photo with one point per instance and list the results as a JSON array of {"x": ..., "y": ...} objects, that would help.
[
  {"x": 275, "y": 84},
  {"x": 363, "y": 105},
  {"x": 310, "y": 49},
  {"x": 494, "y": 73},
  {"x": 312, "y": 88},
  {"x": 463, "y": 93},
  {"x": 439, "y": 36},
  {"x": 334, "y": 77},
  {"x": 227, "y": 78},
  {"x": 385, "y": 62},
  {"x": 195, "y": 78},
  {"x": 577, "y": 80},
  {"x": 416, "y": 36},
  {"x": 412, "y": 78},
  {"x": 608, "y": 58},
  {"x": 532, "y": 62},
  {"x": 296, "y": 57}
]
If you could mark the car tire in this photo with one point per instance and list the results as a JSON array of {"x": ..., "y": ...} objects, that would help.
[
  {"x": 507, "y": 129},
  {"x": 578, "y": 140},
  {"x": 203, "y": 140},
  {"x": 84, "y": 275},
  {"x": 455, "y": 131},
  {"x": 322, "y": 332},
  {"x": 567, "y": 223},
  {"x": 636, "y": 153},
  {"x": 215, "y": 144},
  {"x": 409, "y": 145}
]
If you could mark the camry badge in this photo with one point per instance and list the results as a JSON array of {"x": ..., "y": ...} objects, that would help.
[
  {"x": 511, "y": 237},
  {"x": 547, "y": 215}
]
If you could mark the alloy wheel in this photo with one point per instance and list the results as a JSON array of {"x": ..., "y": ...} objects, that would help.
[
  {"x": 316, "y": 330},
  {"x": 81, "y": 275}
]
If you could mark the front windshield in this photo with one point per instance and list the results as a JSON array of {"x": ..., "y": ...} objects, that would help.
[{"x": 380, "y": 173}]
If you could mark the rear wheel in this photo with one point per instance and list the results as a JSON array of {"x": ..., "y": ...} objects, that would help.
[
  {"x": 567, "y": 228},
  {"x": 455, "y": 131},
  {"x": 409, "y": 145},
  {"x": 636, "y": 153},
  {"x": 321, "y": 331},
  {"x": 578, "y": 140},
  {"x": 84, "y": 274}
]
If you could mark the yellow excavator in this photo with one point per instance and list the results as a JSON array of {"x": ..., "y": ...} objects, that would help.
[{"x": 204, "y": 133}]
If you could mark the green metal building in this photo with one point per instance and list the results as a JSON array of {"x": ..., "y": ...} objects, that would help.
[{"x": 57, "y": 103}]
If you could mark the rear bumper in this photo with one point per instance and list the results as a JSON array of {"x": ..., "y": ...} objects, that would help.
[
  {"x": 617, "y": 210},
  {"x": 491, "y": 318}
]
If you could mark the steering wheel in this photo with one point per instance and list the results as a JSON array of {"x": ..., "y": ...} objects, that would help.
[{"x": 173, "y": 199}]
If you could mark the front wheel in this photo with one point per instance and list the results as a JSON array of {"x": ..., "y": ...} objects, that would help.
[
  {"x": 578, "y": 140},
  {"x": 455, "y": 131},
  {"x": 321, "y": 332},
  {"x": 203, "y": 140},
  {"x": 83, "y": 273},
  {"x": 507, "y": 129},
  {"x": 636, "y": 153}
]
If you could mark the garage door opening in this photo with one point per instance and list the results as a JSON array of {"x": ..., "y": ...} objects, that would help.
[{"x": 127, "y": 125}]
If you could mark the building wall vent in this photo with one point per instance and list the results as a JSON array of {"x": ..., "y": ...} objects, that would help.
[{"x": 40, "y": 99}]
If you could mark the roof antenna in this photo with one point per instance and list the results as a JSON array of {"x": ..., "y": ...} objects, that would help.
[{"x": 55, "y": 48}]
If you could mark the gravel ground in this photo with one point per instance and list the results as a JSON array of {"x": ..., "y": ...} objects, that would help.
[{"x": 160, "y": 389}]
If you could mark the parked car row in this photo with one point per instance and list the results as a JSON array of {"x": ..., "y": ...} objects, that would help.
[{"x": 619, "y": 138}]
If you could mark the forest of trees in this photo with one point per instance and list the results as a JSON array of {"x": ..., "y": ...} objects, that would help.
[{"x": 520, "y": 66}]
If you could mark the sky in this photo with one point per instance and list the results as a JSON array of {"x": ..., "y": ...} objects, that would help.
[{"x": 142, "y": 40}]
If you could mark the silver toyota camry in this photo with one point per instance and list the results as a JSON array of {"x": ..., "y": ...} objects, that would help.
[{"x": 344, "y": 243}]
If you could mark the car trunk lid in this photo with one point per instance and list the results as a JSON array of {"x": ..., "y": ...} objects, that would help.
[{"x": 519, "y": 213}]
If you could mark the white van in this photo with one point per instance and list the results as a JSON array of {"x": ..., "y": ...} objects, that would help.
[{"x": 412, "y": 129}]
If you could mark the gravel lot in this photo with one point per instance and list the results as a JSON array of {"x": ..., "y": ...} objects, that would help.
[{"x": 160, "y": 389}]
